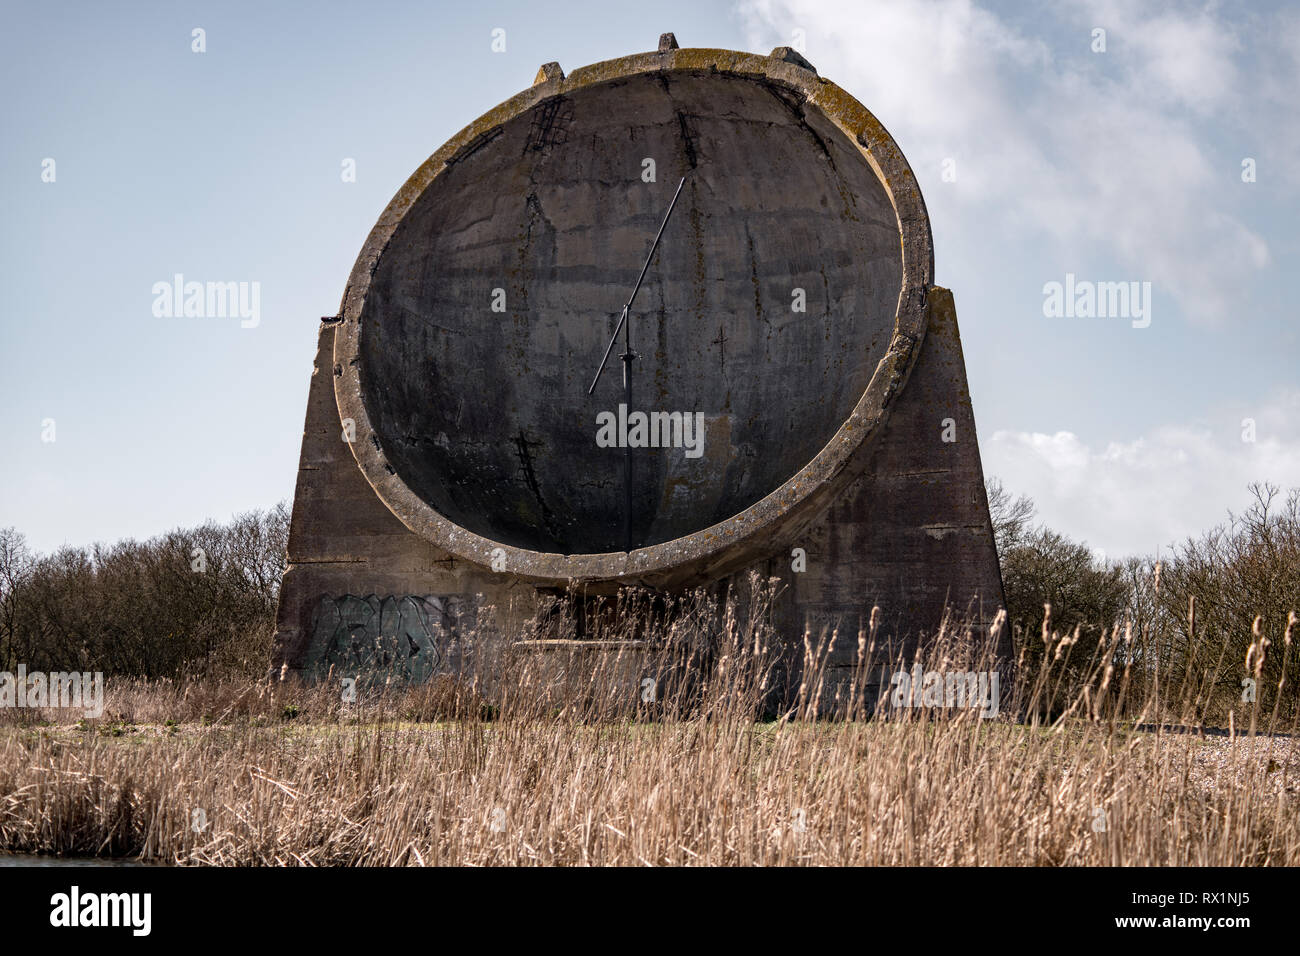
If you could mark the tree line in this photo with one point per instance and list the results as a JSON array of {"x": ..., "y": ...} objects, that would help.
[
  {"x": 1197, "y": 621},
  {"x": 197, "y": 602},
  {"x": 1207, "y": 623}
]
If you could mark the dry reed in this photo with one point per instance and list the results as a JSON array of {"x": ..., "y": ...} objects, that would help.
[{"x": 493, "y": 768}]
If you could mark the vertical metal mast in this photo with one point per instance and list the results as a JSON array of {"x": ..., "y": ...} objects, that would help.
[{"x": 625, "y": 325}]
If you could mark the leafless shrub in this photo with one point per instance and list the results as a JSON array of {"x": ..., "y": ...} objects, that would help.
[{"x": 199, "y": 601}]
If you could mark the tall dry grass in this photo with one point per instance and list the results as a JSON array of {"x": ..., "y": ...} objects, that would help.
[{"x": 496, "y": 767}]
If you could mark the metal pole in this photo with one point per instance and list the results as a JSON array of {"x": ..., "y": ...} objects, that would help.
[
  {"x": 628, "y": 356},
  {"x": 625, "y": 323},
  {"x": 635, "y": 289}
]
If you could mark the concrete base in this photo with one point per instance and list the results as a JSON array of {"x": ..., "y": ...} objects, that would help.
[{"x": 911, "y": 535}]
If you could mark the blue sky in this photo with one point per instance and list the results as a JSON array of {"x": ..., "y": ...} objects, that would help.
[{"x": 1122, "y": 165}]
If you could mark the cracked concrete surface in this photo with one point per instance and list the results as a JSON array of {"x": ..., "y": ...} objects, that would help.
[
  {"x": 553, "y": 210},
  {"x": 823, "y": 427}
]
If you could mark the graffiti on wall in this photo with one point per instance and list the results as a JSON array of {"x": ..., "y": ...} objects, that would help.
[{"x": 399, "y": 637}]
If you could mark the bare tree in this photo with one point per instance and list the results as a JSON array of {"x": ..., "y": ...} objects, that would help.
[
  {"x": 15, "y": 566},
  {"x": 197, "y": 601},
  {"x": 1012, "y": 517}
]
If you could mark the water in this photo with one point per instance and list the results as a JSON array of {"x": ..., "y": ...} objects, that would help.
[{"x": 26, "y": 859}]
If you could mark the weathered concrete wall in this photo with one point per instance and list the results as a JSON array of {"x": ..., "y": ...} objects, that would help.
[
  {"x": 449, "y": 462},
  {"x": 344, "y": 541},
  {"x": 552, "y": 211},
  {"x": 912, "y": 535},
  {"x": 403, "y": 342}
]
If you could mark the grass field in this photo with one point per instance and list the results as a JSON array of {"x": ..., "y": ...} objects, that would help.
[
  {"x": 308, "y": 782},
  {"x": 1104, "y": 767}
]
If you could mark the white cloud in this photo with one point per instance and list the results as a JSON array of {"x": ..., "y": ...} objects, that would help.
[
  {"x": 1091, "y": 151},
  {"x": 1183, "y": 55},
  {"x": 1070, "y": 160},
  {"x": 1136, "y": 496}
]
